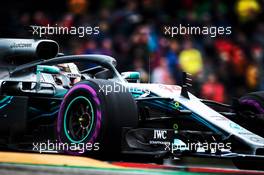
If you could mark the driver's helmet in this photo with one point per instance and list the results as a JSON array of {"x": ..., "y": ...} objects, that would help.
[{"x": 71, "y": 71}]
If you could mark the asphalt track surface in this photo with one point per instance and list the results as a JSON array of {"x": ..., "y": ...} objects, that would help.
[{"x": 12, "y": 163}]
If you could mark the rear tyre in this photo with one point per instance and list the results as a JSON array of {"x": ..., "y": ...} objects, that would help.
[
  {"x": 253, "y": 101},
  {"x": 251, "y": 109},
  {"x": 90, "y": 116}
]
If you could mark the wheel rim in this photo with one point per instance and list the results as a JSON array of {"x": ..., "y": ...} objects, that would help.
[{"x": 78, "y": 119}]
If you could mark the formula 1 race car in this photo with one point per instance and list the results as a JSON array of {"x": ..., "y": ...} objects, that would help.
[{"x": 45, "y": 97}]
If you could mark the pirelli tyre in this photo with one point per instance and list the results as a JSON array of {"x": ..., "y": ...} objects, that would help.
[
  {"x": 254, "y": 101},
  {"x": 251, "y": 109},
  {"x": 92, "y": 114}
]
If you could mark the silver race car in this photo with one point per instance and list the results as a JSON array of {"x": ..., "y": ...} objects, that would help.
[{"x": 46, "y": 98}]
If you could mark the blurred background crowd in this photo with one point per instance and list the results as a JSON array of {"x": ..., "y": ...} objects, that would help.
[{"x": 132, "y": 31}]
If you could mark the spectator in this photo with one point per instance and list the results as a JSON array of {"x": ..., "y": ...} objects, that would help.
[
  {"x": 191, "y": 59},
  {"x": 161, "y": 73},
  {"x": 131, "y": 32},
  {"x": 213, "y": 89},
  {"x": 172, "y": 59}
]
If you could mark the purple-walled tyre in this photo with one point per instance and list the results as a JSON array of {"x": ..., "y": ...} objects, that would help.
[
  {"x": 250, "y": 112},
  {"x": 91, "y": 120},
  {"x": 254, "y": 101}
]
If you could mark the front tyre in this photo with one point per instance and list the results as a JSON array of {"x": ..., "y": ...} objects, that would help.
[{"x": 89, "y": 116}]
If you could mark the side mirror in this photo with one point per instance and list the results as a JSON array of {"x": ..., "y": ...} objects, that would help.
[
  {"x": 48, "y": 69},
  {"x": 132, "y": 77}
]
